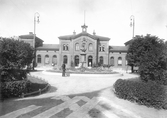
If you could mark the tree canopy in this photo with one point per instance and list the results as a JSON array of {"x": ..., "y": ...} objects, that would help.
[
  {"x": 15, "y": 55},
  {"x": 149, "y": 53}
]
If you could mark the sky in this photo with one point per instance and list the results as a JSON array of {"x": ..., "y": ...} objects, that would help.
[{"x": 108, "y": 18}]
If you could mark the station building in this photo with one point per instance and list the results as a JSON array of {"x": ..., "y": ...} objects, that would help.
[{"x": 83, "y": 49}]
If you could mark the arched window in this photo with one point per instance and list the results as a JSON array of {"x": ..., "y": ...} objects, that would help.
[
  {"x": 65, "y": 59},
  {"x": 64, "y": 47},
  {"x": 46, "y": 59},
  {"x": 100, "y": 48},
  {"x": 77, "y": 46},
  {"x": 67, "y": 47},
  {"x": 103, "y": 48},
  {"x": 112, "y": 61},
  {"x": 90, "y": 47},
  {"x": 54, "y": 59},
  {"x": 101, "y": 60},
  {"x": 39, "y": 59},
  {"x": 76, "y": 60},
  {"x": 119, "y": 61}
]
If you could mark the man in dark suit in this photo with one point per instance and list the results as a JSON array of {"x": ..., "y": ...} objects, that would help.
[{"x": 63, "y": 69}]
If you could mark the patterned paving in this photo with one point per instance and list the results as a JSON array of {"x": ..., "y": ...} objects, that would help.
[{"x": 75, "y": 107}]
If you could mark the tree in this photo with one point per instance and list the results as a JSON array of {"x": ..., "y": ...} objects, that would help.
[
  {"x": 15, "y": 55},
  {"x": 134, "y": 52},
  {"x": 149, "y": 53}
]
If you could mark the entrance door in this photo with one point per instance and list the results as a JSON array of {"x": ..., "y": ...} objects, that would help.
[{"x": 90, "y": 61}]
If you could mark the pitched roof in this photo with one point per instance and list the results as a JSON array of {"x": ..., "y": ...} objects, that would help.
[
  {"x": 96, "y": 37},
  {"x": 118, "y": 48},
  {"x": 49, "y": 47},
  {"x": 29, "y": 36}
]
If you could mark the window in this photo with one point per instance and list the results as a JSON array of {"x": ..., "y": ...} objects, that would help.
[
  {"x": 67, "y": 47},
  {"x": 101, "y": 48},
  {"x": 90, "y": 47},
  {"x": 54, "y": 59},
  {"x": 65, "y": 59},
  {"x": 101, "y": 60},
  {"x": 76, "y": 60},
  {"x": 64, "y": 47},
  {"x": 119, "y": 61},
  {"x": 39, "y": 59},
  {"x": 112, "y": 61},
  {"x": 46, "y": 59},
  {"x": 76, "y": 46}
]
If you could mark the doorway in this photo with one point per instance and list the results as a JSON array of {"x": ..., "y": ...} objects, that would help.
[{"x": 90, "y": 61}]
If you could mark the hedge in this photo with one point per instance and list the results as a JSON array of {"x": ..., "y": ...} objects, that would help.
[
  {"x": 149, "y": 94},
  {"x": 13, "y": 88}
]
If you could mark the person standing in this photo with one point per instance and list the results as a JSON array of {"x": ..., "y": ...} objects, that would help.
[{"x": 63, "y": 69}]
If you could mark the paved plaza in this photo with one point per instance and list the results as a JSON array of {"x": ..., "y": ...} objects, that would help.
[{"x": 77, "y": 96}]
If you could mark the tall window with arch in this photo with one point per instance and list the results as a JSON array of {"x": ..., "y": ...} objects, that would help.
[
  {"x": 38, "y": 58},
  {"x": 54, "y": 60},
  {"x": 119, "y": 61},
  {"x": 77, "y": 46},
  {"x": 67, "y": 47},
  {"x": 64, "y": 47},
  {"x": 65, "y": 59},
  {"x": 90, "y": 47},
  {"x": 103, "y": 48},
  {"x": 46, "y": 59},
  {"x": 76, "y": 60},
  {"x": 100, "y": 48},
  {"x": 112, "y": 61}
]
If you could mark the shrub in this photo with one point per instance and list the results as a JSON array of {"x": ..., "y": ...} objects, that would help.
[
  {"x": 14, "y": 88},
  {"x": 149, "y": 94}
]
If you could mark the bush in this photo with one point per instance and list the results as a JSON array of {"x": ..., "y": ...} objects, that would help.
[
  {"x": 14, "y": 88},
  {"x": 149, "y": 94}
]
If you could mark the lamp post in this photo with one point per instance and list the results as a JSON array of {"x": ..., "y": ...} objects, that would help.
[
  {"x": 36, "y": 20},
  {"x": 132, "y": 24}
]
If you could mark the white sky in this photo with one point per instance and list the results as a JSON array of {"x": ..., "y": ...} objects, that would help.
[{"x": 109, "y": 18}]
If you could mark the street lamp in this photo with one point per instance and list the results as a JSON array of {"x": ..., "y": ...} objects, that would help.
[
  {"x": 36, "y": 20},
  {"x": 132, "y": 24}
]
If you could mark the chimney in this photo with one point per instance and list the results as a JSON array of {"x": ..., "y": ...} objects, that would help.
[
  {"x": 31, "y": 33},
  {"x": 74, "y": 33},
  {"x": 94, "y": 33}
]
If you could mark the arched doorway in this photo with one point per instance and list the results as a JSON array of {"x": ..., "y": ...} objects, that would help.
[
  {"x": 101, "y": 60},
  {"x": 65, "y": 59},
  {"x": 76, "y": 60},
  {"x": 90, "y": 61}
]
